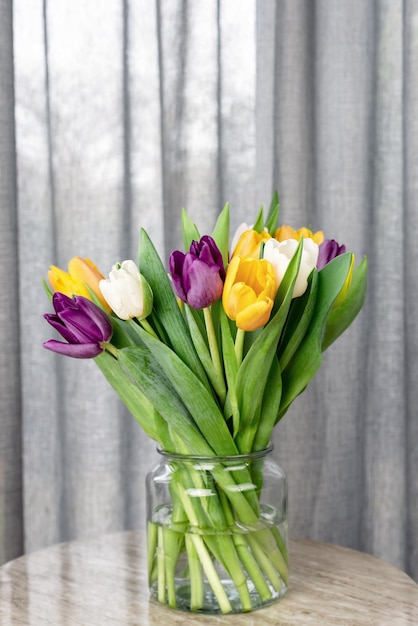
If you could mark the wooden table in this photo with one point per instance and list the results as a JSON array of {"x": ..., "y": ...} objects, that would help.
[{"x": 103, "y": 581}]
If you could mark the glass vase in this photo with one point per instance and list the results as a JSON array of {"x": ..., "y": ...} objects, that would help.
[{"x": 217, "y": 532}]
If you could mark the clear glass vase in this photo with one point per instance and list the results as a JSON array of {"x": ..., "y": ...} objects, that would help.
[{"x": 217, "y": 532}]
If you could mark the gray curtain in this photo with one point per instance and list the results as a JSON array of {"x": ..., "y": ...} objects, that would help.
[{"x": 117, "y": 114}]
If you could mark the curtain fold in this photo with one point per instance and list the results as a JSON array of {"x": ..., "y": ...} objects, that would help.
[
  {"x": 11, "y": 522},
  {"x": 127, "y": 111}
]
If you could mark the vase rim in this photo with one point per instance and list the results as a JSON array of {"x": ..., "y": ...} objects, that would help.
[{"x": 176, "y": 456}]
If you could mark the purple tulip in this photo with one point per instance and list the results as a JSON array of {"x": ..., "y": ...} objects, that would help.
[
  {"x": 198, "y": 276},
  {"x": 81, "y": 323},
  {"x": 328, "y": 250}
]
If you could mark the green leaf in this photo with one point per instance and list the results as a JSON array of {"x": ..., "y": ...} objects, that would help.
[
  {"x": 270, "y": 407},
  {"x": 189, "y": 230},
  {"x": 307, "y": 358},
  {"x": 49, "y": 292},
  {"x": 194, "y": 395},
  {"x": 220, "y": 233},
  {"x": 165, "y": 310},
  {"x": 231, "y": 370},
  {"x": 272, "y": 221},
  {"x": 199, "y": 341},
  {"x": 341, "y": 317},
  {"x": 133, "y": 398},
  {"x": 123, "y": 335},
  {"x": 150, "y": 378},
  {"x": 259, "y": 222},
  {"x": 299, "y": 318},
  {"x": 254, "y": 369}
]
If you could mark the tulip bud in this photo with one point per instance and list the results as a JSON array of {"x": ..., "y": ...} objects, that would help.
[
  {"x": 82, "y": 275},
  {"x": 198, "y": 275},
  {"x": 127, "y": 292},
  {"x": 84, "y": 326},
  {"x": 328, "y": 250},
  {"x": 249, "y": 291},
  {"x": 287, "y": 232},
  {"x": 280, "y": 253}
]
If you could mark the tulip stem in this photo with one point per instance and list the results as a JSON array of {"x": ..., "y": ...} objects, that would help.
[
  {"x": 110, "y": 348},
  {"x": 213, "y": 344},
  {"x": 239, "y": 345},
  {"x": 147, "y": 326}
]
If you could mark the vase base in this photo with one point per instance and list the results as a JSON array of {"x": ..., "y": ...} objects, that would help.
[{"x": 209, "y": 603}]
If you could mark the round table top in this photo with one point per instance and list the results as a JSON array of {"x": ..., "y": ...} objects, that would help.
[{"x": 104, "y": 581}]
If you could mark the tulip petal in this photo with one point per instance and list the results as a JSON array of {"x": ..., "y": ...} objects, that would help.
[
  {"x": 205, "y": 284},
  {"x": 76, "y": 350},
  {"x": 240, "y": 297},
  {"x": 59, "y": 326},
  {"x": 93, "y": 312},
  {"x": 83, "y": 329},
  {"x": 249, "y": 291},
  {"x": 328, "y": 250},
  {"x": 113, "y": 297},
  {"x": 176, "y": 263},
  {"x": 198, "y": 275},
  {"x": 255, "y": 315},
  {"x": 61, "y": 302},
  {"x": 82, "y": 323}
]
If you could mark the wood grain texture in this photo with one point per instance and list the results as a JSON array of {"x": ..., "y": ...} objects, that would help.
[{"x": 103, "y": 581}]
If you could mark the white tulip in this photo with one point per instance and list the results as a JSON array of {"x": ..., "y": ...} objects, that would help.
[
  {"x": 280, "y": 253},
  {"x": 127, "y": 292}
]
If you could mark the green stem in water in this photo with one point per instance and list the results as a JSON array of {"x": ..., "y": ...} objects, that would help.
[
  {"x": 161, "y": 565},
  {"x": 269, "y": 543},
  {"x": 239, "y": 344},
  {"x": 211, "y": 574},
  {"x": 152, "y": 538},
  {"x": 196, "y": 578},
  {"x": 172, "y": 546},
  {"x": 244, "y": 553},
  {"x": 264, "y": 562}
]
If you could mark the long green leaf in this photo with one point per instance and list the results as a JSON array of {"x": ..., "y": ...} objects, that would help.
[
  {"x": 149, "y": 377},
  {"x": 200, "y": 343},
  {"x": 307, "y": 358},
  {"x": 259, "y": 222},
  {"x": 165, "y": 308},
  {"x": 299, "y": 318},
  {"x": 199, "y": 402},
  {"x": 272, "y": 221},
  {"x": 253, "y": 372},
  {"x": 189, "y": 230},
  {"x": 231, "y": 370},
  {"x": 220, "y": 232},
  {"x": 49, "y": 292},
  {"x": 135, "y": 401},
  {"x": 269, "y": 408},
  {"x": 340, "y": 318}
]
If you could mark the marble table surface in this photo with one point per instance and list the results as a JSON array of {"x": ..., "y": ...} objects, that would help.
[{"x": 103, "y": 581}]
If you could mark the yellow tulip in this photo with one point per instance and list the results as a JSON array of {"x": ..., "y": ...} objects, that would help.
[
  {"x": 249, "y": 244},
  {"x": 249, "y": 291},
  {"x": 82, "y": 274},
  {"x": 287, "y": 232}
]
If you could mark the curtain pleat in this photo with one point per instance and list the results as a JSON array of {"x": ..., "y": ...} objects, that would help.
[
  {"x": 126, "y": 112},
  {"x": 11, "y": 522}
]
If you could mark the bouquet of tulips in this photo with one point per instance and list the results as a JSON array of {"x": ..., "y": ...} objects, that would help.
[{"x": 208, "y": 357}]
